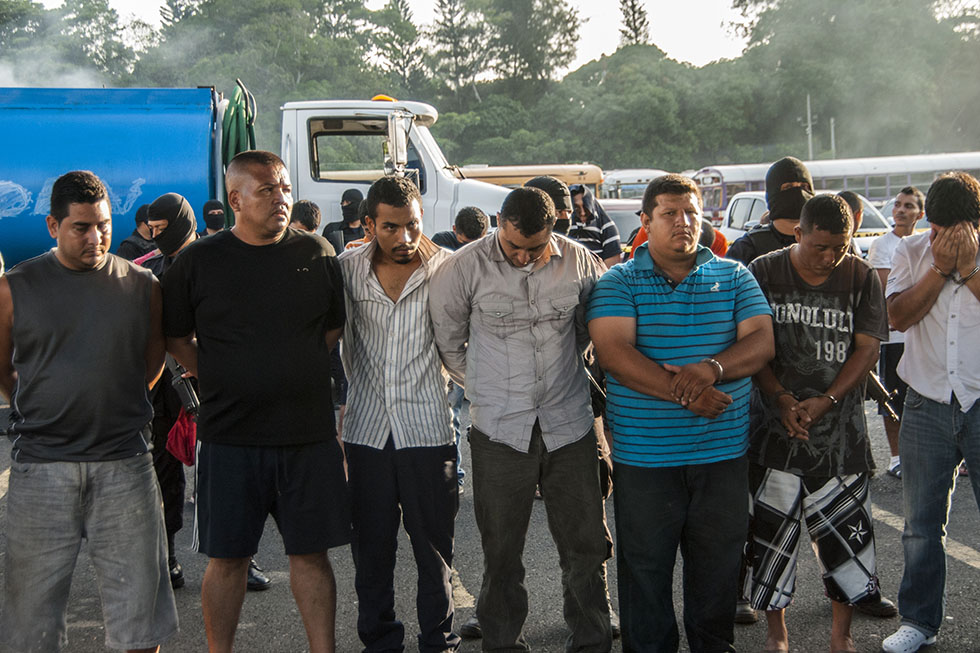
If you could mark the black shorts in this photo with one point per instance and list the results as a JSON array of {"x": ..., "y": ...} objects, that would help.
[
  {"x": 302, "y": 486},
  {"x": 888, "y": 359}
]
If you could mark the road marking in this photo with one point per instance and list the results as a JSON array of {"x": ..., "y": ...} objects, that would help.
[
  {"x": 954, "y": 549},
  {"x": 4, "y": 478},
  {"x": 461, "y": 596}
]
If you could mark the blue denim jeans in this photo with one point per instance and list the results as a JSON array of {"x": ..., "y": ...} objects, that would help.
[
  {"x": 705, "y": 510},
  {"x": 457, "y": 397},
  {"x": 116, "y": 507},
  {"x": 933, "y": 439}
]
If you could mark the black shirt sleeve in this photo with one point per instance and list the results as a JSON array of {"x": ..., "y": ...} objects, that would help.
[{"x": 178, "y": 309}]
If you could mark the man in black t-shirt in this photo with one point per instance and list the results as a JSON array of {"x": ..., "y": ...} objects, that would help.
[
  {"x": 254, "y": 311},
  {"x": 811, "y": 462}
]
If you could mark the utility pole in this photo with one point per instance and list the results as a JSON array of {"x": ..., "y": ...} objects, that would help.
[
  {"x": 833, "y": 141},
  {"x": 809, "y": 128}
]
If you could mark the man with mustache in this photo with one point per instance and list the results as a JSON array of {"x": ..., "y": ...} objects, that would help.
[
  {"x": 253, "y": 312},
  {"x": 80, "y": 342},
  {"x": 398, "y": 436},
  {"x": 679, "y": 332},
  {"x": 810, "y": 460}
]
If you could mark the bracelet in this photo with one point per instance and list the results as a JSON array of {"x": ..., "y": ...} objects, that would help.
[
  {"x": 832, "y": 398},
  {"x": 717, "y": 366},
  {"x": 784, "y": 392},
  {"x": 935, "y": 268},
  {"x": 969, "y": 276}
]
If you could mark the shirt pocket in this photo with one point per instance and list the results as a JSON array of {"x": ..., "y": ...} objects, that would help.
[
  {"x": 498, "y": 318},
  {"x": 563, "y": 308}
]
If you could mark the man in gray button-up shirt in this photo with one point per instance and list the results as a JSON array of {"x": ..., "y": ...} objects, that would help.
[{"x": 509, "y": 317}]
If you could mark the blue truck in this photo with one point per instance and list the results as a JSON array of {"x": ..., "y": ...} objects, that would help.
[{"x": 144, "y": 142}]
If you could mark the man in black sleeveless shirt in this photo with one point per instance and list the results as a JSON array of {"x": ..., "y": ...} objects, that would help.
[{"x": 80, "y": 341}]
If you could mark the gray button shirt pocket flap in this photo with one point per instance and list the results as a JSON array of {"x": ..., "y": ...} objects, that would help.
[{"x": 565, "y": 304}]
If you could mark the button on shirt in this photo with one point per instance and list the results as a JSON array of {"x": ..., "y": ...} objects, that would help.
[
  {"x": 397, "y": 383},
  {"x": 941, "y": 356},
  {"x": 514, "y": 339}
]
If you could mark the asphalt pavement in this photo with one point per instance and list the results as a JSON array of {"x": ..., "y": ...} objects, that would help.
[{"x": 270, "y": 622}]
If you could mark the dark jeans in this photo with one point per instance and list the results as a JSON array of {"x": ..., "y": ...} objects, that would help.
[
  {"x": 702, "y": 508},
  {"x": 504, "y": 480},
  {"x": 422, "y": 481}
]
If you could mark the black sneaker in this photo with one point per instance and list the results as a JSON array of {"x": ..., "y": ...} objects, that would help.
[
  {"x": 257, "y": 581},
  {"x": 471, "y": 629},
  {"x": 176, "y": 574}
]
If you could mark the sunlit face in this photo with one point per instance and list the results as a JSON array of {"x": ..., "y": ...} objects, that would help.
[
  {"x": 83, "y": 236},
  {"x": 674, "y": 227},
  {"x": 578, "y": 202},
  {"x": 906, "y": 211},
  {"x": 519, "y": 249},
  {"x": 262, "y": 200},
  {"x": 821, "y": 251},
  {"x": 398, "y": 231}
]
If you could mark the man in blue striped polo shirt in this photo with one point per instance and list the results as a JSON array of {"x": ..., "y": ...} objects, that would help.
[{"x": 679, "y": 333}]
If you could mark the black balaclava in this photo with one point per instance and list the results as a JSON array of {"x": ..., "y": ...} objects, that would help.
[
  {"x": 787, "y": 204},
  {"x": 353, "y": 198},
  {"x": 214, "y": 215},
  {"x": 141, "y": 214},
  {"x": 181, "y": 224}
]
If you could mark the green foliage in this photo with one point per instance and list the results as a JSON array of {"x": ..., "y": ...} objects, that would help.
[
  {"x": 636, "y": 26},
  {"x": 898, "y": 76}
]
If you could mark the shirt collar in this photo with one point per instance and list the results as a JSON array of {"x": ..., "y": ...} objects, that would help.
[{"x": 643, "y": 261}]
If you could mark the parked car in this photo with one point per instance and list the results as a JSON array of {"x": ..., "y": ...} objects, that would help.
[{"x": 746, "y": 209}]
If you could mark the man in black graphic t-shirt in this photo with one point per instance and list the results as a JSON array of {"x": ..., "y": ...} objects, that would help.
[{"x": 808, "y": 437}]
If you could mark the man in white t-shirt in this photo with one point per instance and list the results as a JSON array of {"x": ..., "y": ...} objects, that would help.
[
  {"x": 934, "y": 297},
  {"x": 909, "y": 207}
]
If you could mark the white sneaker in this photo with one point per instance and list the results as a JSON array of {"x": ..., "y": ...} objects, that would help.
[{"x": 906, "y": 640}]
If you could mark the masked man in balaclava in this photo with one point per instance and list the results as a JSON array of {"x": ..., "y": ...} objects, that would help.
[
  {"x": 350, "y": 228},
  {"x": 788, "y": 187}
]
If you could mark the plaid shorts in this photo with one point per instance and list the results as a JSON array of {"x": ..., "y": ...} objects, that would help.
[{"x": 837, "y": 514}]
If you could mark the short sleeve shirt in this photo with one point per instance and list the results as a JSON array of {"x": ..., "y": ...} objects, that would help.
[
  {"x": 261, "y": 314},
  {"x": 697, "y": 319},
  {"x": 814, "y": 329}
]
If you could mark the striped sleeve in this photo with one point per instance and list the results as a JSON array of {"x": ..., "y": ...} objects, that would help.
[
  {"x": 749, "y": 299},
  {"x": 610, "y": 240},
  {"x": 612, "y": 296}
]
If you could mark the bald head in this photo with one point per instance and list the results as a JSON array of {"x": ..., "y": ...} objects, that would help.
[
  {"x": 260, "y": 195},
  {"x": 241, "y": 167}
]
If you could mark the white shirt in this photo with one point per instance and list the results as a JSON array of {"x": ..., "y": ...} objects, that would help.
[
  {"x": 941, "y": 354},
  {"x": 396, "y": 381},
  {"x": 880, "y": 256}
]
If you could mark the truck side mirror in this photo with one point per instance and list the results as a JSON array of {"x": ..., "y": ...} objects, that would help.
[{"x": 396, "y": 145}]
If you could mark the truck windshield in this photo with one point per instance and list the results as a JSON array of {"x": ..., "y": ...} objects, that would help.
[{"x": 353, "y": 150}]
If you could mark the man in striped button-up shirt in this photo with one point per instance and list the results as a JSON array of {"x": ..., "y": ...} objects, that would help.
[{"x": 397, "y": 430}]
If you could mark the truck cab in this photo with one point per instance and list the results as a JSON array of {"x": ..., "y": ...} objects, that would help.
[{"x": 332, "y": 145}]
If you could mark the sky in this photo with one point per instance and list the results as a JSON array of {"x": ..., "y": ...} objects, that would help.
[{"x": 695, "y": 31}]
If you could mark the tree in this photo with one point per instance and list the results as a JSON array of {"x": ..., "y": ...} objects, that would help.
[
  {"x": 531, "y": 39},
  {"x": 397, "y": 45},
  {"x": 636, "y": 27},
  {"x": 459, "y": 51}
]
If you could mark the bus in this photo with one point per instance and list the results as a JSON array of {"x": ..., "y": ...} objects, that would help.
[
  {"x": 877, "y": 178},
  {"x": 587, "y": 174},
  {"x": 628, "y": 184}
]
